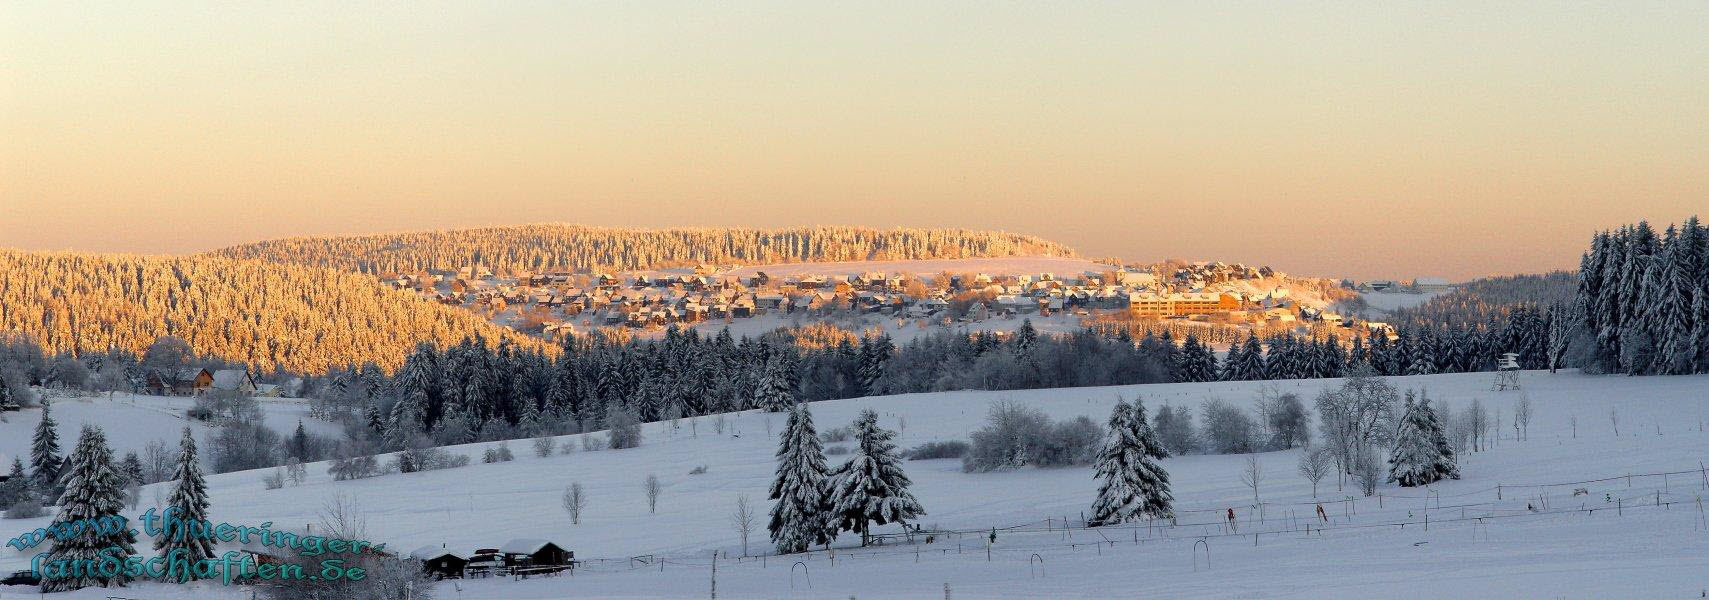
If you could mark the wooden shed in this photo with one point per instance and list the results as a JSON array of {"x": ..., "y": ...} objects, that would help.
[
  {"x": 441, "y": 562},
  {"x": 532, "y": 552}
]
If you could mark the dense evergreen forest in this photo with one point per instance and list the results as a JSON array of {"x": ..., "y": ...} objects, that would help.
[
  {"x": 542, "y": 247},
  {"x": 270, "y": 317},
  {"x": 1479, "y": 300}
]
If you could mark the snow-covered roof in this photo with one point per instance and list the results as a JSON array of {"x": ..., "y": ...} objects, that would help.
[
  {"x": 524, "y": 546},
  {"x": 430, "y": 552},
  {"x": 229, "y": 379}
]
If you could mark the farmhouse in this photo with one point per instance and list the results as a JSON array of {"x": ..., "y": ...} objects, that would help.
[
  {"x": 180, "y": 382},
  {"x": 233, "y": 380}
]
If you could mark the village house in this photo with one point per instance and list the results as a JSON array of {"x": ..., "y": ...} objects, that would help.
[{"x": 181, "y": 382}]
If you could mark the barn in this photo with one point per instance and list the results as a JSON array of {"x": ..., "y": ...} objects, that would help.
[{"x": 535, "y": 553}]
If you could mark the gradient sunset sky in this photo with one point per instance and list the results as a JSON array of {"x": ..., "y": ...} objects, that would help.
[{"x": 1338, "y": 139}]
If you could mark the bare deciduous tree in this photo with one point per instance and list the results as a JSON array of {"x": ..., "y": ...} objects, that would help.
[
  {"x": 743, "y": 520},
  {"x": 1252, "y": 475},
  {"x": 341, "y": 518},
  {"x": 574, "y": 501},
  {"x": 653, "y": 488},
  {"x": 1367, "y": 469},
  {"x": 1315, "y": 465},
  {"x": 1522, "y": 417}
]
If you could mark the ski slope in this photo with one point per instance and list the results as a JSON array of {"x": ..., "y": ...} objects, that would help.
[{"x": 1512, "y": 527}]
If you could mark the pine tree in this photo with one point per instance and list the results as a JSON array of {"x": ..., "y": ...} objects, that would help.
[
  {"x": 871, "y": 487},
  {"x": 131, "y": 468},
  {"x": 1197, "y": 363},
  {"x": 874, "y": 354},
  {"x": 188, "y": 503},
  {"x": 774, "y": 392},
  {"x": 17, "y": 485},
  {"x": 45, "y": 462},
  {"x": 799, "y": 518},
  {"x": 1231, "y": 363},
  {"x": 1133, "y": 485},
  {"x": 94, "y": 490},
  {"x": 1446, "y": 464},
  {"x": 299, "y": 444},
  {"x": 1414, "y": 459},
  {"x": 1025, "y": 337}
]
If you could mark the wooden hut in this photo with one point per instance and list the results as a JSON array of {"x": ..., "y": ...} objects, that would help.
[
  {"x": 441, "y": 562},
  {"x": 535, "y": 554}
]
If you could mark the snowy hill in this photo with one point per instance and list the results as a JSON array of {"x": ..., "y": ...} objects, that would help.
[
  {"x": 1482, "y": 540},
  {"x": 132, "y": 421}
]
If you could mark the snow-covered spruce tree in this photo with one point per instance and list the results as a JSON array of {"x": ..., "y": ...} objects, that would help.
[
  {"x": 1197, "y": 363},
  {"x": 871, "y": 487},
  {"x": 1413, "y": 461},
  {"x": 798, "y": 519},
  {"x": 188, "y": 503},
  {"x": 94, "y": 490},
  {"x": 45, "y": 462},
  {"x": 1245, "y": 362},
  {"x": 1447, "y": 464},
  {"x": 875, "y": 352},
  {"x": 1134, "y": 486},
  {"x": 774, "y": 393}
]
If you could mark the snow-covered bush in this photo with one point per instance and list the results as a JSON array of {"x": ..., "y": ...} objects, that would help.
[
  {"x": 244, "y": 445},
  {"x": 543, "y": 446},
  {"x": 1289, "y": 423},
  {"x": 835, "y": 435},
  {"x": 937, "y": 450},
  {"x": 1072, "y": 442},
  {"x": 1228, "y": 429},
  {"x": 499, "y": 453},
  {"x": 25, "y": 508},
  {"x": 592, "y": 442},
  {"x": 274, "y": 480},
  {"x": 1174, "y": 427},
  {"x": 625, "y": 428},
  {"x": 1017, "y": 435},
  {"x": 1011, "y": 436}
]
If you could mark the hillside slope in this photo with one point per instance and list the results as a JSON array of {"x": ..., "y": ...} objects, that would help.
[
  {"x": 1514, "y": 526},
  {"x": 267, "y": 316},
  {"x": 564, "y": 246}
]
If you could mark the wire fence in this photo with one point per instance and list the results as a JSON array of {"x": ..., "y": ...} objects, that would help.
[{"x": 1647, "y": 494}]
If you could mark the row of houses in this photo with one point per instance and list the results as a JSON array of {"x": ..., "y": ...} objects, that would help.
[{"x": 644, "y": 300}]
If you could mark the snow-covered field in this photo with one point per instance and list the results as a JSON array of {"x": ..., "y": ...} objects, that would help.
[
  {"x": 1392, "y": 301},
  {"x": 132, "y": 421},
  {"x": 1481, "y": 539}
]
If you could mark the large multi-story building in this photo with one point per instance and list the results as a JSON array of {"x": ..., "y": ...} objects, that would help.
[{"x": 1180, "y": 305}]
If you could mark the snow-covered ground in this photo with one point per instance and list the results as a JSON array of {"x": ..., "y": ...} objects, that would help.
[
  {"x": 132, "y": 421},
  {"x": 1482, "y": 540},
  {"x": 1389, "y": 302}
]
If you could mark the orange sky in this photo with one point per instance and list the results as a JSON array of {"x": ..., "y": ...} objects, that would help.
[{"x": 1328, "y": 139}]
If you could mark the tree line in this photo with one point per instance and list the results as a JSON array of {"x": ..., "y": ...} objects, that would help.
[
  {"x": 552, "y": 246},
  {"x": 267, "y": 316}
]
